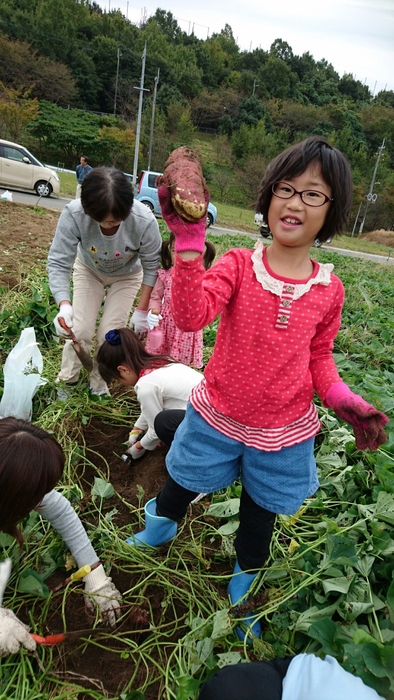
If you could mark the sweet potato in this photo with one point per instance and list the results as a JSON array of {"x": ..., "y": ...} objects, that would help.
[{"x": 183, "y": 176}]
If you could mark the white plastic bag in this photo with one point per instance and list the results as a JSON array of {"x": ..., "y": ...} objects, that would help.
[
  {"x": 22, "y": 377},
  {"x": 7, "y": 196}
]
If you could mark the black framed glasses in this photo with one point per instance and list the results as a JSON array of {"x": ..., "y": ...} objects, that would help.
[{"x": 312, "y": 198}]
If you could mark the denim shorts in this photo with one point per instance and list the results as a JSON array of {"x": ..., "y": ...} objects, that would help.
[{"x": 204, "y": 460}]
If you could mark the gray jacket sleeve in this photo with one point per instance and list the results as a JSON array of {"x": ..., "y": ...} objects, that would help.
[
  {"x": 149, "y": 251},
  {"x": 62, "y": 516},
  {"x": 61, "y": 256}
]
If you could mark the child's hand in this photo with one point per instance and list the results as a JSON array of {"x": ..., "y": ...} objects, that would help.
[
  {"x": 153, "y": 319},
  {"x": 134, "y": 435},
  {"x": 136, "y": 451},
  {"x": 367, "y": 422},
  {"x": 188, "y": 235},
  {"x": 138, "y": 322}
]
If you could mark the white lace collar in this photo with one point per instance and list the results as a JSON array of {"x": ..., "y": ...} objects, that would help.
[{"x": 271, "y": 284}]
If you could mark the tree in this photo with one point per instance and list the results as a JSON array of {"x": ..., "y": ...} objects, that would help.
[
  {"x": 16, "y": 111},
  {"x": 276, "y": 78},
  {"x": 63, "y": 134},
  {"x": 54, "y": 82},
  {"x": 251, "y": 111},
  {"x": 116, "y": 147},
  {"x": 184, "y": 72},
  {"x": 354, "y": 89},
  {"x": 168, "y": 25},
  {"x": 179, "y": 123},
  {"x": 281, "y": 49},
  {"x": 385, "y": 97},
  {"x": 22, "y": 68}
]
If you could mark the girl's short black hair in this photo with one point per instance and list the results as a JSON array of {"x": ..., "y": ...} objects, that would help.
[
  {"x": 106, "y": 192},
  {"x": 335, "y": 171}
]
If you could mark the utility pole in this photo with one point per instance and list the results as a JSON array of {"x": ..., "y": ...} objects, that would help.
[
  {"x": 138, "y": 130},
  {"x": 152, "y": 121},
  {"x": 116, "y": 80},
  {"x": 255, "y": 85},
  {"x": 356, "y": 219},
  {"x": 371, "y": 197}
]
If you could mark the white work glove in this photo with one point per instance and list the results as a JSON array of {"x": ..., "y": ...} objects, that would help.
[
  {"x": 66, "y": 311},
  {"x": 103, "y": 593},
  {"x": 13, "y": 634},
  {"x": 153, "y": 320},
  {"x": 135, "y": 453},
  {"x": 134, "y": 436},
  {"x": 138, "y": 322}
]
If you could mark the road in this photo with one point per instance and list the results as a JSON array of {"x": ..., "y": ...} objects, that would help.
[
  {"x": 60, "y": 202},
  {"x": 33, "y": 199}
]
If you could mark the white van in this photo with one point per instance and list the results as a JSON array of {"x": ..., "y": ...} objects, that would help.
[{"x": 20, "y": 170}]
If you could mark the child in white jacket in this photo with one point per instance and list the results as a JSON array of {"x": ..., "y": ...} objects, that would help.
[{"x": 160, "y": 383}]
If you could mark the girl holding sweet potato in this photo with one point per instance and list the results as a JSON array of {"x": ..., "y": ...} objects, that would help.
[{"x": 280, "y": 312}]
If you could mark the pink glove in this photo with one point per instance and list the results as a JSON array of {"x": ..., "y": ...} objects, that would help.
[
  {"x": 367, "y": 422},
  {"x": 188, "y": 236}
]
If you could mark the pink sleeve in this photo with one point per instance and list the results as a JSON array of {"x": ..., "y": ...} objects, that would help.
[
  {"x": 157, "y": 293},
  {"x": 199, "y": 295},
  {"x": 322, "y": 366}
]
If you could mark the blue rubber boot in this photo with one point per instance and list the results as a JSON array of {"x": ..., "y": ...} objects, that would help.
[
  {"x": 237, "y": 589},
  {"x": 158, "y": 530}
]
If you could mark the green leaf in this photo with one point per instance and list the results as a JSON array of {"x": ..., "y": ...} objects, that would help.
[
  {"x": 341, "y": 585},
  {"x": 350, "y": 610},
  {"x": 229, "y": 658},
  {"x": 385, "y": 507},
  {"x": 30, "y": 582},
  {"x": 372, "y": 656},
  {"x": 363, "y": 637},
  {"x": 6, "y": 540},
  {"x": 324, "y": 631},
  {"x": 390, "y": 595},
  {"x": 228, "y": 528},
  {"x": 222, "y": 624},
  {"x": 308, "y": 617},
  {"x": 341, "y": 550},
  {"x": 224, "y": 509},
  {"x": 102, "y": 488},
  {"x": 364, "y": 565},
  {"x": 187, "y": 687}
]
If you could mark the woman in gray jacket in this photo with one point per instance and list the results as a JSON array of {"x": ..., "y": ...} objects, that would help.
[{"x": 113, "y": 245}]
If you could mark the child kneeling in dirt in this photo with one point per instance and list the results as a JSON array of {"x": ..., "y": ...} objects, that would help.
[
  {"x": 31, "y": 464},
  {"x": 159, "y": 381}
]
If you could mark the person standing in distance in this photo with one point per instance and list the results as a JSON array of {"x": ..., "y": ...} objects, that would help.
[{"x": 81, "y": 170}]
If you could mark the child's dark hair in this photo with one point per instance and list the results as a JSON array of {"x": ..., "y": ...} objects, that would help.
[
  {"x": 31, "y": 464},
  {"x": 335, "y": 171},
  {"x": 166, "y": 261},
  {"x": 123, "y": 347},
  {"x": 106, "y": 192}
]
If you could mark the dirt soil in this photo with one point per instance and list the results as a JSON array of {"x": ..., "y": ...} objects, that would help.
[{"x": 25, "y": 234}]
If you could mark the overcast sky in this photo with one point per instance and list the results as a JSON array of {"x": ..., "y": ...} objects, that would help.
[{"x": 356, "y": 36}]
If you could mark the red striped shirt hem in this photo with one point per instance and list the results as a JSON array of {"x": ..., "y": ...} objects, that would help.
[{"x": 268, "y": 439}]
